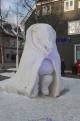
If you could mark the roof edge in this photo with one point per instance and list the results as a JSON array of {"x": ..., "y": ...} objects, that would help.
[{"x": 26, "y": 17}]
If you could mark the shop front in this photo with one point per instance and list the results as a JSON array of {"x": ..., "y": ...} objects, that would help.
[{"x": 70, "y": 49}]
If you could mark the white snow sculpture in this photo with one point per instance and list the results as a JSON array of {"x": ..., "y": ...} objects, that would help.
[{"x": 39, "y": 66}]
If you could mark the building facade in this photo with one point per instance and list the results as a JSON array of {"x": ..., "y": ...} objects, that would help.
[
  {"x": 8, "y": 43},
  {"x": 64, "y": 17}
]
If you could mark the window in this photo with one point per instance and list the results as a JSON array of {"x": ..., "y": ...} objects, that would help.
[
  {"x": 12, "y": 43},
  {"x": 71, "y": 3},
  {"x": 46, "y": 9},
  {"x": 79, "y": 4},
  {"x": 68, "y": 5}
]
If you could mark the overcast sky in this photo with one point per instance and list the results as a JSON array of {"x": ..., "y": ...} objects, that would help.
[
  {"x": 6, "y": 5},
  {"x": 10, "y": 5}
]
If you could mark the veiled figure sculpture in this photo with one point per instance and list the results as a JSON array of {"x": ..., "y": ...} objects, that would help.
[{"x": 40, "y": 67}]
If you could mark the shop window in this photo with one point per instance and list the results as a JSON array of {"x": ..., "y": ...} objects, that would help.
[
  {"x": 46, "y": 9},
  {"x": 68, "y": 5}
]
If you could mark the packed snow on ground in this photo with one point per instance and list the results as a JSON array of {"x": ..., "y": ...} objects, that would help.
[
  {"x": 12, "y": 69},
  {"x": 8, "y": 74},
  {"x": 66, "y": 107}
]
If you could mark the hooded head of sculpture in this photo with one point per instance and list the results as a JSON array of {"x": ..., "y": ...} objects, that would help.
[{"x": 42, "y": 37}]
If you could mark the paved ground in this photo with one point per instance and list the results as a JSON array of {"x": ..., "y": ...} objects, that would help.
[
  {"x": 5, "y": 74},
  {"x": 66, "y": 107},
  {"x": 3, "y": 77},
  {"x": 72, "y": 76}
]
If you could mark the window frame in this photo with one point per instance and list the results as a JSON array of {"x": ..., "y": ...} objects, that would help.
[
  {"x": 45, "y": 7},
  {"x": 69, "y": 7},
  {"x": 79, "y": 4}
]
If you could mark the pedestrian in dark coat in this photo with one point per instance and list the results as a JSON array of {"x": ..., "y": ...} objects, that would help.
[{"x": 63, "y": 67}]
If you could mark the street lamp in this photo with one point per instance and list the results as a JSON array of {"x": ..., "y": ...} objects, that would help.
[{"x": 17, "y": 51}]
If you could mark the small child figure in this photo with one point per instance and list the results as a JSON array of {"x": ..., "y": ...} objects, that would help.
[{"x": 44, "y": 78}]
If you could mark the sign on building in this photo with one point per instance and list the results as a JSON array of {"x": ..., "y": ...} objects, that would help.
[{"x": 74, "y": 27}]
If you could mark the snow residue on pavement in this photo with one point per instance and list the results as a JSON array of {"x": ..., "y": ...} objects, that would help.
[
  {"x": 66, "y": 107},
  {"x": 8, "y": 74}
]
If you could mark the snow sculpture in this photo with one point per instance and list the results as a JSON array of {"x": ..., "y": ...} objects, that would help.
[{"x": 39, "y": 67}]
